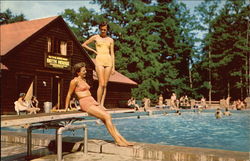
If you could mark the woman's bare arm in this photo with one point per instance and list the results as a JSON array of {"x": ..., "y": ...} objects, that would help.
[
  {"x": 72, "y": 87},
  {"x": 112, "y": 56},
  {"x": 90, "y": 40}
]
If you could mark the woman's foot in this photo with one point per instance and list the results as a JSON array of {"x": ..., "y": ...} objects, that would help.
[
  {"x": 130, "y": 144},
  {"x": 121, "y": 144}
]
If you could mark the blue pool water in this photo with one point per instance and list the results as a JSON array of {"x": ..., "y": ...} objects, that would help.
[{"x": 189, "y": 129}]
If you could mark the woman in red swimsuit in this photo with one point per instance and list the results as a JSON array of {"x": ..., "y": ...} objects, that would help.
[{"x": 88, "y": 103}]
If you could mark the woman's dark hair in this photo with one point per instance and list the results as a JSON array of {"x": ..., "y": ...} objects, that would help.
[
  {"x": 77, "y": 67},
  {"x": 104, "y": 24}
]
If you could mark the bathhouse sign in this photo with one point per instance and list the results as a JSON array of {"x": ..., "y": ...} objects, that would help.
[{"x": 53, "y": 61}]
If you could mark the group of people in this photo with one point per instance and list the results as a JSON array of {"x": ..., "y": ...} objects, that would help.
[
  {"x": 177, "y": 103},
  {"x": 104, "y": 67},
  {"x": 236, "y": 105},
  {"x": 23, "y": 105},
  {"x": 133, "y": 104},
  {"x": 161, "y": 103},
  {"x": 219, "y": 113}
]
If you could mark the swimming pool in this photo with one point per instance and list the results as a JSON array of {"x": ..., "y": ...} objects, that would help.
[{"x": 189, "y": 129}]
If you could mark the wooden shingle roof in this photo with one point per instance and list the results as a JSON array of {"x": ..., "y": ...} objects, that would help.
[{"x": 15, "y": 33}]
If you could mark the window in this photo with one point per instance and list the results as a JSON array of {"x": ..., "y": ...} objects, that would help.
[
  {"x": 63, "y": 47},
  {"x": 49, "y": 44},
  {"x": 59, "y": 47}
]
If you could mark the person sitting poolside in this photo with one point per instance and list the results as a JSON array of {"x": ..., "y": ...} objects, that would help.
[
  {"x": 173, "y": 102},
  {"x": 203, "y": 102},
  {"x": 146, "y": 103},
  {"x": 160, "y": 101},
  {"x": 132, "y": 104},
  {"x": 33, "y": 105}
]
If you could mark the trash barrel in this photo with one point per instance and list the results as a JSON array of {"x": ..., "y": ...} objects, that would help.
[{"x": 47, "y": 107}]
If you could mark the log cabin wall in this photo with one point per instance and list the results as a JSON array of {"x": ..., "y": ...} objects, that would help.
[
  {"x": 116, "y": 93},
  {"x": 8, "y": 91}
]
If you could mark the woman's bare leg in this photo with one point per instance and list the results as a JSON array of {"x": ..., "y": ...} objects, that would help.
[
  {"x": 100, "y": 75},
  {"x": 106, "y": 118},
  {"x": 107, "y": 72},
  {"x": 122, "y": 138},
  {"x": 103, "y": 74}
]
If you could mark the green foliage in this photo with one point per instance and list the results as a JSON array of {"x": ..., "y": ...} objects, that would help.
[
  {"x": 7, "y": 17},
  {"x": 155, "y": 44},
  {"x": 227, "y": 42}
]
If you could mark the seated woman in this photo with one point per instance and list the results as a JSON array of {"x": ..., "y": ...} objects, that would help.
[
  {"x": 79, "y": 86},
  {"x": 34, "y": 105},
  {"x": 21, "y": 104},
  {"x": 34, "y": 102}
]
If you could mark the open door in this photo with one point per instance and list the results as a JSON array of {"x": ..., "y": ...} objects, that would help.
[{"x": 56, "y": 92}]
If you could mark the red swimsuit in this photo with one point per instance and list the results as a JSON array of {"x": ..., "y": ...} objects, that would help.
[{"x": 87, "y": 101}]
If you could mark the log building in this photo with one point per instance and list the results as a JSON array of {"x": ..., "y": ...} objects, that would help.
[{"x": 39, "y": 54}]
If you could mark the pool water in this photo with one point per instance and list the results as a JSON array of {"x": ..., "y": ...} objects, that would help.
[{"x": 189, "y": 129}]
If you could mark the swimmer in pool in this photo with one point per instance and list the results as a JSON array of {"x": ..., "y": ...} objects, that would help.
[
  {"x": 218, "y": 113},
  {"x": 79, "y": 86},
  {"x": 227, "y": 112}
]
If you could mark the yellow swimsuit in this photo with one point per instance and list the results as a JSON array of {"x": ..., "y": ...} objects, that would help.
[{"x": 103, "y": 57}]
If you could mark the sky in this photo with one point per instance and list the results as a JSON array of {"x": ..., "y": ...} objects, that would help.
[{"x": 35, "y": 9}]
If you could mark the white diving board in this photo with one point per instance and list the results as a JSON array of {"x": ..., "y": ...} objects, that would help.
[{"x": 17, "y": 120}]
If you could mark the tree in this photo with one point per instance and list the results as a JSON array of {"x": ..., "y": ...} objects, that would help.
[
  {"x": 153, "y": 45},
  {"x": 7, "y": 17},
  {"x": 225, "y": 48},
  {"x": 229, "y": 39},
  {"x": 207, "y": 11}
]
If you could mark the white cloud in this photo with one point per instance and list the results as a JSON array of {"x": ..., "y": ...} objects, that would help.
[{"x": 40, "y": 9}]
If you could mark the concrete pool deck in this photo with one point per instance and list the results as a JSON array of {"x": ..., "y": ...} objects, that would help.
[{"x": 13, "y": 147}]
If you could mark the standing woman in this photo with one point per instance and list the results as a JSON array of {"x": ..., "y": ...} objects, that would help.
[
  {"x": 105, "y": 59},
  {"x": 79, "y": 86}
]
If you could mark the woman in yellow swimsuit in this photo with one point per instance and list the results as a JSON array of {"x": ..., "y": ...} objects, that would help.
[
  {"x": 89, "y": 105},
  {"x": 105, "y": 59}
]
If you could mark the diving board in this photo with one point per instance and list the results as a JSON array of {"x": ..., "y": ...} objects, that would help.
[
  {"x": 39, "y": 118},
  {"x": 17, "y": 120}
]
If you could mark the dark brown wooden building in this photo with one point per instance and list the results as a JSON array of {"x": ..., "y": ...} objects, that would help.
[{"x": 40, "y": 53}]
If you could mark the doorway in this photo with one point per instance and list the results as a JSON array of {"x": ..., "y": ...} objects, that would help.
[{"x": 56, "y": 92}]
